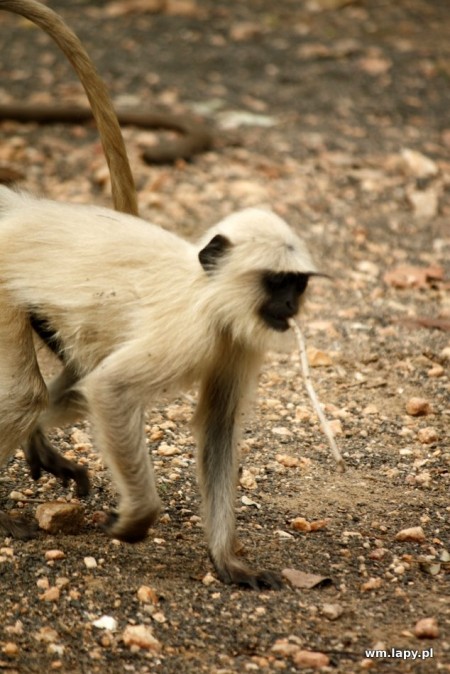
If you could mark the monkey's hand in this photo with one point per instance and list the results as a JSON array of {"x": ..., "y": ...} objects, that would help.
[
  {"x": 18, "y": 527},
  {"x": 41, "y": 455}
]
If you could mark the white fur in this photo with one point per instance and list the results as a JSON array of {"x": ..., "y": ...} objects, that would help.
[
  {"x": 138, "y": 315},
  {"x": 104, "y": 279}
]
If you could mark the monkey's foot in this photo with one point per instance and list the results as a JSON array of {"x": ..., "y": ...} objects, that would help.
[
  {"x": 237, "y": 573},
  {"x": 18, "y": 527},
  {"x": 42, "y": 456},
  {"x": 129, "y": 529}
]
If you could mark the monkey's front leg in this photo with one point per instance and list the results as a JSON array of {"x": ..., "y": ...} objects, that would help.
[
  {"x": 218, "y": 465},
  {"x": 117, "y": 413}
]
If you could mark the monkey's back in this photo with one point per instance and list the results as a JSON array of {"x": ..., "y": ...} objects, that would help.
[{"x": 89, "y": 271}]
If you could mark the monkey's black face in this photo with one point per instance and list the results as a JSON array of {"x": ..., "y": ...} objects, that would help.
[{"x": 283, "y": 292}]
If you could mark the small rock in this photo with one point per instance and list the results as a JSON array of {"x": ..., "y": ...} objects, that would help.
[
  {"x": 423, "y": 478},
  {"x": 167, "y": 450},
  {"x": 159, "y": 617},
  {"x": 427, "y": 435},
  {"x": 106, "y": 622},
  {"x": 372, "y": 584},
  {"x": 418, "y": 407},
  {"x": 336, "y": 426},
  {"x": 303, "y": 413},
  {"x": 208, "y": 579},
  {"x": 332, "y": 611},
  {"x": 374, "y": 65},
  {"x": 425, "y": 204},
  {"x": 10, "y": 649},
  {"x": 418, "y": 164},
  {"x": 52, "y": 594},
  {"x": 378, "y": 553},
  {"x": 246, "y": 30},
  {"x": 17, "y": 628},
  {"x": 147, "y": 595},
  {"x": 436, "y": 371},
  {"x": 284, "y": 648},
  {"x": 310, "y": 659},
  {"x": 284, "y": 535},
  {"x": 426, "y": 628},
  {"x": 80, "y": 440},
  {"x": 247, "y": 480},
  {"x": 142, "y": 637},
  {"x": 282, "y": 431},
  {"x": 399, "y": 569},
  {"x": 288, "y": 461},
  {"x": 52, "y": 555},
  {"x": 90, "y": 562},
  {"x": 370, "y": 409},
  {"x": 56, "y": 517},
  {"x": 414, "y": 534},
  {"x": 47, "y": 635},
  {"x": 17, "y": 496}
]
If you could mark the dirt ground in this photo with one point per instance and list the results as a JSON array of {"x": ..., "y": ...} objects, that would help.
[{"x": 335, "y": 114}]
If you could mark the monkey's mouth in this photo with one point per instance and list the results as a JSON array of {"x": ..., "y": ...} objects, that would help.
[{"x": 276, "y": 322}]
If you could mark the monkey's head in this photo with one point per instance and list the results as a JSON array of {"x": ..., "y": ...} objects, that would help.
[{"x": 258, "y": 272}]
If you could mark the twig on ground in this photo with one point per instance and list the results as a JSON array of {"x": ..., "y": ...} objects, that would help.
[{"x": 314, "y": 400}]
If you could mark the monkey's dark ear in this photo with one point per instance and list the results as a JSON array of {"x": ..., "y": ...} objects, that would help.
[{"x": 213, "y": 251}]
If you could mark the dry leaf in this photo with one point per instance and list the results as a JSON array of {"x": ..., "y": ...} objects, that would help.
[
  {"x": 424, "y": 322},
  {"x": 304, "y": 580},
  {"x": 300, "y": 524},
  {"x": 408, "y": 276},
  {"x": 318, "y": 358},
  {"x": 124, "y": 7},
  {"x": 317, "y": 525}
]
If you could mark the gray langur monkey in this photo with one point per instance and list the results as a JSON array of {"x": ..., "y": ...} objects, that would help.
[{"x": 134, "y": 310}]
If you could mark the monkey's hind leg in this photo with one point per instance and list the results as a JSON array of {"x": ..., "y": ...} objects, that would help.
[
  {"x": 42, "y": 456},
  {"x": 18, "y": 527},
  {"x": 66, "y": 406},
  {"x": 23, "y": 393},
  {"x": 218, "y": 409}
]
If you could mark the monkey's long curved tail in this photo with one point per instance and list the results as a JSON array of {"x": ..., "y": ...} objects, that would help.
[{"x": 122, "y": 183}]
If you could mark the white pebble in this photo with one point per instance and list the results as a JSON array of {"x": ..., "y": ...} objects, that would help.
[{"x": 90, "y": 562}]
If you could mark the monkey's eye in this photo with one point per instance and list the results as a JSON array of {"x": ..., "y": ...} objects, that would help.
[
  {"x": 274, "y": 283},
  {"x": 282, "y": 281}
]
